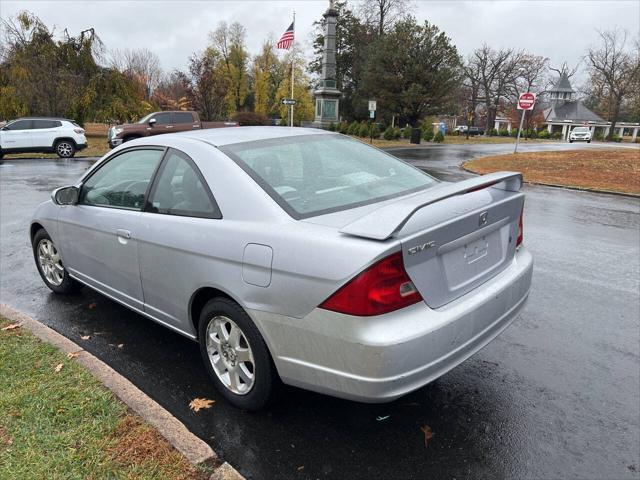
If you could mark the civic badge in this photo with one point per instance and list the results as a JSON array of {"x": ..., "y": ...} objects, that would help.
[{"x": 483, "y": 218}]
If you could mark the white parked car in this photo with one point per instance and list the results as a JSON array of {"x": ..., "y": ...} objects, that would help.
[
  {"x": 42, "y": 135},
  {"x": 580, "y": 134}
]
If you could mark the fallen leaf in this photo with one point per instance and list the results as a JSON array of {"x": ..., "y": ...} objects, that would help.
[
  {"x": 301, "y": 467},
  {"x": 380, "y": 418},
  {"x": 5, "y": 438},
  {"x": 199, "y": 403},
  {"x": 58, "y": 367},
  {"x": 120, "y": 345},
  {"x": 85, "y": 337},
  {"x": 92, "y": 306},
  {"x": 73, "y": 354},
  {"x": 12, "y": 326},
  {"x": 428, "y": 434}
]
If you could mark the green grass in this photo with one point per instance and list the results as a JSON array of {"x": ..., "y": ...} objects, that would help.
[{"x": 66, "y": 425}]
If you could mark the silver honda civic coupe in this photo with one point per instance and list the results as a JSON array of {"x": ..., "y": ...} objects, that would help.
[{"x": 294, "y": 256}]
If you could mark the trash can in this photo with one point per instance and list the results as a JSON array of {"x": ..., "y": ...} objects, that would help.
[{"x": 416, "y": 133}]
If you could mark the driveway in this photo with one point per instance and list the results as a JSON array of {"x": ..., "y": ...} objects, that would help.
[{"x": 556, "y": 395}]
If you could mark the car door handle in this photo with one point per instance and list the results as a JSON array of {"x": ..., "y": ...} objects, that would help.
[{"x": 123, "y": 233}]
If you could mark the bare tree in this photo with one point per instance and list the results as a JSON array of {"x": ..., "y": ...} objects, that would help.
[
  {"x": 143, "y": 65},
  {"x": 614, "y": 71},
  {"x": 383, "y": 13},
  {"x": 497, "y": 72}
]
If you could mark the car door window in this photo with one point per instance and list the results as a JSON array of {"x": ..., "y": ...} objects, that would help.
[
  {"x": 19, "y": 125},
  {"x": 182, "y": 117},
  {"x": 122, "y": 182},
  {"x": 180, "y": 189},
  {"x": 163, "y": 119},
  {"x": 43, "y": 124}
]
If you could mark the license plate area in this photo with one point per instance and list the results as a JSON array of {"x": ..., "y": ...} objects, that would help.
[{"x": 470, "y": 261}]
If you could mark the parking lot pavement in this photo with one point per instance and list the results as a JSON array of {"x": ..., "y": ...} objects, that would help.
[{"x": 556, "y": 395}]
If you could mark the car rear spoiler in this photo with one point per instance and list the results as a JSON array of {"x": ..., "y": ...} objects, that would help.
[{"x": 386, "y": 221}]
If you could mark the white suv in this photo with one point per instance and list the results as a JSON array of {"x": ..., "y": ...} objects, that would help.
[{"x": 59, "y": 135}]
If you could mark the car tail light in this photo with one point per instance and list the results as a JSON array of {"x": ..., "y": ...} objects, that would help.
[
  {"x": 381, "y": 288},
  {"x": 79, "y": 131},
  {"x": 520, "y": 229}
]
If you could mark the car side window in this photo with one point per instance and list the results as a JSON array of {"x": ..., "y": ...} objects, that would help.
[
  {"x": 163, "y": 119},
  {"x": 42, "y": 124},
  {"x": 123, "y": 181},
  {"x": 181, "y": 190},
  {"x": 183, "y": 117},
  {"x": 20, "y": 125}
]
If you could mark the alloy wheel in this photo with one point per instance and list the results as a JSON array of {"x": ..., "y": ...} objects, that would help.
[
  {"x": 230, "y": 355},
  {"x": 64, "y": 149},
  {"x": 50, "y": 262}
]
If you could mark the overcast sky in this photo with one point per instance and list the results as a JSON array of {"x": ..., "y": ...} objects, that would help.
[{"x": 558, "y": 29}]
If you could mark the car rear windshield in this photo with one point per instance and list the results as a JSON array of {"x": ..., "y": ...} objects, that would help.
[{"x": 311, "y": 175}]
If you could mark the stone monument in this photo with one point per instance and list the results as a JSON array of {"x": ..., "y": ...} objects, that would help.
[{"x": 327, "y": 95}]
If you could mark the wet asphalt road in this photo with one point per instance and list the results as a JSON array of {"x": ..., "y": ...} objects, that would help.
[{"x": 556, "y": 395}]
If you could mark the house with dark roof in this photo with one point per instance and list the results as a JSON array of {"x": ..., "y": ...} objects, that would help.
[{"x": 564, "y": 111}]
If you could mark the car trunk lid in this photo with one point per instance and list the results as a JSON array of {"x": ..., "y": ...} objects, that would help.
[{"x": 466, "y": 236}]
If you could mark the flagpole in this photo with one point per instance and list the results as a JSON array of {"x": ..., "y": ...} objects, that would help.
[{"x": 293, "y": 49}]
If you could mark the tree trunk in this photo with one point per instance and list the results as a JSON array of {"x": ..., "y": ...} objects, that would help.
[{"x": 614, "y": 118}]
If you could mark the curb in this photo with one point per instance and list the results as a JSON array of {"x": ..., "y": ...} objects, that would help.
[
  {"x": 567, "y": 187},
  {"x": 194, "y": 449}
]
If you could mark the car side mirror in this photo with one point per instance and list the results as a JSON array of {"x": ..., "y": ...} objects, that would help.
[
  {"x": 152, "y": 122},
  {"x": 65, "y": 195}
]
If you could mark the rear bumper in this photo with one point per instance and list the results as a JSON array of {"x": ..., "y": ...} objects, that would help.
[
  {"x": 379, "y": 359},
  {"x": 81, "y": 146}
]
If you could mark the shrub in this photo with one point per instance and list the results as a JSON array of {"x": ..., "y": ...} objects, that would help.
[
  {"x": 389, "y": 133},
  {"x": 427, "y": 134},
  {"x": 616, "y": 138},
  {"x": 406, "y": 132},
  {"x": 397, "y": 133},
  {"x": 492, "y": 132},
  {"x": 556, "y": 135},
  {"x": 503, "y": 132},
  {"x": 363, "y": 131},
  {"x": 375, "y": 130},
  {"x": 246, "y": 119},
  {"x": 598, "y": 136},
  {"x": 544, "y": 134},
  {"x": 439, "y": 137},
  {"x": 343, "y": 127},
  {"x": 331, "y": 127},
  {"x": 514, "y": 132},
  {"x": 354, "y": 128},
  {"x": 531, "y": 133}
]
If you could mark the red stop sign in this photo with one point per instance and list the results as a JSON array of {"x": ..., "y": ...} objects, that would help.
[{"x": 526, "y": 101}]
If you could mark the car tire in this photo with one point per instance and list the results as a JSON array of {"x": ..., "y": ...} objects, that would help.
[
  {"x": 588, "y": 141},
  {"x": 65, "y": 148},
  {"x": 50, "y": 266},
  {"x": 223, "y": 313},
  {"x": 570, "y": 141}
]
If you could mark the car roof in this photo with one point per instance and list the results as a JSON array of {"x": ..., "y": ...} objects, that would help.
[
  {"x": 219, "y": 137},
  {"x": 43, "y": 118}
]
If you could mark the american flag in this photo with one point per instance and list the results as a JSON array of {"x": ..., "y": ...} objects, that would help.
[{"x": 286, "y": 40}]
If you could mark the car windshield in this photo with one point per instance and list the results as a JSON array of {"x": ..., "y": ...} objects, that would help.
[
  {"x": 314, "y": 174},
  {"x": 145, "y": 119},
  {"x": 581, "y": 129}
]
